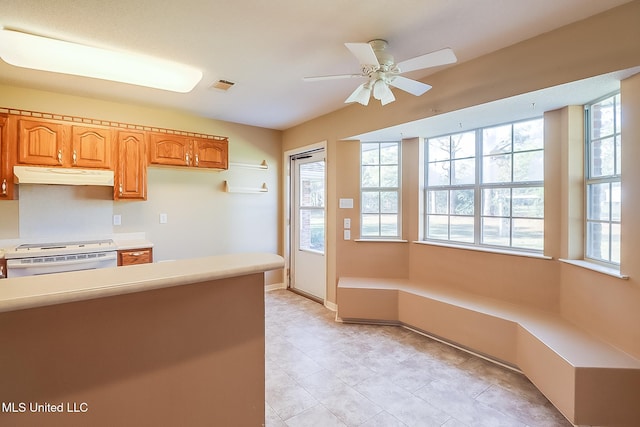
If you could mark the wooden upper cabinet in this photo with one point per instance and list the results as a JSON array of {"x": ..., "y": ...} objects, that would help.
[
  {"x": 41, "y": 142},
  {"x": 178, "y": 150},
  {"x": 49, "y": 143},
  {"x": 209, "y": 153},
  {"x": 172, "y": 150},
  {"x": 131, "y": 171},
  {"x": 91, "y": 147}
]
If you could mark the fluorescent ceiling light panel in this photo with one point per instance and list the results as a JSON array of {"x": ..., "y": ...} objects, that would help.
[{"x": 41, "y": 53}]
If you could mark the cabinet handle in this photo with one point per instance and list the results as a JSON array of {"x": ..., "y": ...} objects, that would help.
[
  {"x": 186, "y": 157},
  {"x": 197, "y": 161},
  {"x": 4, "y": 187},
  {"x": 120, "y": 189},
  {"x": 75, "y": 157},
  {"x": 60, "y": 156},
  {"x": 136, "y": 253}
]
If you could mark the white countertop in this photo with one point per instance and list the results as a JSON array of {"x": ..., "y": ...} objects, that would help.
[{"x": 37, "y": 291}]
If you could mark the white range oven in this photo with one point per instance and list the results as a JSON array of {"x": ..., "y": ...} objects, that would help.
[{"x": 45, "y": 258}]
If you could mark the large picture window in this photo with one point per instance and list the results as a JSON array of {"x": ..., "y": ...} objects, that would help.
[
  {"x": 380, "y": 190},
  {"x": 603, "y": 189},
  {"x": 486, "y": 187}
]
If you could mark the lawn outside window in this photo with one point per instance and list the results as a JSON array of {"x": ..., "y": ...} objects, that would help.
[{"x": 380, "y": 190}]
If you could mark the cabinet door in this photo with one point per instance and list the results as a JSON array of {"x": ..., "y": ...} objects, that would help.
[
  {"x": 209, "y": 153},
  {"x": 169, "y": 150},
  {"x": 40, "y": 142},
  {"x": 131, "y": 171},
  {"x": 91, "y": 147}
]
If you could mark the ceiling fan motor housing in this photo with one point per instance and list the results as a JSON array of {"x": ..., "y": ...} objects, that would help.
[{"x": 385, "y": 59}]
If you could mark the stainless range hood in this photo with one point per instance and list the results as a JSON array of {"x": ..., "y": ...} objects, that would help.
[{"x": 62, "y": 176}]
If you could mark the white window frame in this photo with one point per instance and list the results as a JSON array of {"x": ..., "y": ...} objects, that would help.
[
  {"x": 379, "y": 189},
  {"x": 612, "y": 180},
  {"x": 478, "y": 187}
]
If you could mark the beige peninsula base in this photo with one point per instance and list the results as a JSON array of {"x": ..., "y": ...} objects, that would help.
[{"x": 187, "y": 355}]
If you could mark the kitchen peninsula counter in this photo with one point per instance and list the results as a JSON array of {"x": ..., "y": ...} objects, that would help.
[
  {"x": 171, "y": 343},
  {"x": 37, "y": 291}
]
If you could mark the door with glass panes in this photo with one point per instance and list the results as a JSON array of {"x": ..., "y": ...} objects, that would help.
[{"x": 308, "y": 266}]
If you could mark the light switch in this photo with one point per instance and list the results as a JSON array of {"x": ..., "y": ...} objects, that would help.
[
  {"x": 163, "y": 218},
  {"x": 347, "y": 223},
  {"x": 117, "y": 219},
  {"x": 346, "y": 203}
]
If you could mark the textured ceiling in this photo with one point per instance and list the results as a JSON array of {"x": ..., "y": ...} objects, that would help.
[{"x": 267, "y": 47}]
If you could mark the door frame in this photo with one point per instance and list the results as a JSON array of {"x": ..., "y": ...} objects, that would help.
[{"x": 287, "y": 209}]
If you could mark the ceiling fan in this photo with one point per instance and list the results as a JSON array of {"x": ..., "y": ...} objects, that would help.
[{"x": 380, "y": 70}]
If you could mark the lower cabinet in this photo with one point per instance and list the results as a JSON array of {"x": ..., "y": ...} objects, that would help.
[
  {"x": 3, "y": 268},
  {"x": 135, "y": 256}
]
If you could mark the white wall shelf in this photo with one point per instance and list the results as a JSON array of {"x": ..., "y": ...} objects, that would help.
[
  {"x": 233, "y": 189},
  {"x": 262, "y": 165}
]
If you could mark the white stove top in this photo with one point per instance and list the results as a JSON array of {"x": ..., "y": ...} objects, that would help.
[{"x": 60, "y": 248}]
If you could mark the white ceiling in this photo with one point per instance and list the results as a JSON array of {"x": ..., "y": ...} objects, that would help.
[{"x": 267, "y": 47}]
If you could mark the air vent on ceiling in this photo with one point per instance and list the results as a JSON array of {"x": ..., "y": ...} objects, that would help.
[{"x": 223, "y": 85}]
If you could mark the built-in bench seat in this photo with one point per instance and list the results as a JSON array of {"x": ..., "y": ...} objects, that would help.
[{"x": 588, "y": 380}]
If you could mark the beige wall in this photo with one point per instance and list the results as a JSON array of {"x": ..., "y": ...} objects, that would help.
[
  {"x": 606, "y": 306},
  {"x": 202, "y": 218}
]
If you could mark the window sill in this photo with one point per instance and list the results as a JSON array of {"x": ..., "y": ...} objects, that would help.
[
  {"x": 609, "y": 271},
  {"x": 488, "y": 250},
  {"x": 382, "y": 240}
]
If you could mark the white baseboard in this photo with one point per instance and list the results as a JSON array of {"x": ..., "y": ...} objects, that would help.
[
  {"x": 274, "y": 286},
  {"x": 331, "y": 305}
]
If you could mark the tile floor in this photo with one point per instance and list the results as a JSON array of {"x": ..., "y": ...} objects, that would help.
[{"x": 321, "y": 373}]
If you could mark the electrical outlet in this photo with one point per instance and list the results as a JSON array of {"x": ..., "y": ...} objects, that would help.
[
  {"x": 117, "y": 219},
  {"x": 163, "y": 218},
  {"x": 347, "y": 234}
]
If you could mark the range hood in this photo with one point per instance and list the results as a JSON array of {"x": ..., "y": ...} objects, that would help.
[{"x": 62, "y": 176}]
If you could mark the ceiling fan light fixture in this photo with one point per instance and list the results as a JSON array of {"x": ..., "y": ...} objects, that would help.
[
  {"x": 45, "y": 54},
  {"x": 382, "y": 92},
  {"x": 388, "y": 98},
  {"x": 361, "y": 95}
]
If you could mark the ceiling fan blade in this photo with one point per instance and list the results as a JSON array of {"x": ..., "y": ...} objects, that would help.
[
  {"x": 364, "y": 53},
  {"x": 433, "y": 59},
  {"x": 414, "y": 87},
  {"x": 334, "y": 77}
]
